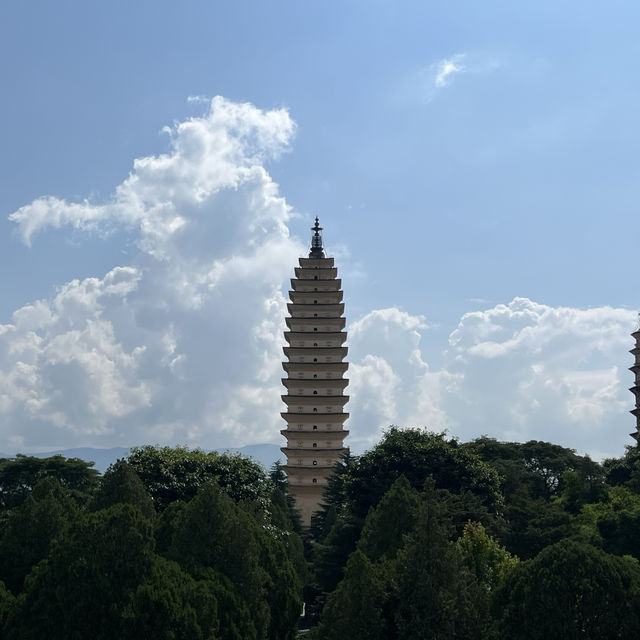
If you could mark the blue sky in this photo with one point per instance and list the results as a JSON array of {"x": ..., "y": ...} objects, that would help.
[{"x": 474, "y": 166}]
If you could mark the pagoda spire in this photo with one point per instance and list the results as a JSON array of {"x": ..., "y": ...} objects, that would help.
[
  {"x": 317, "y": 250},
  {"x": 636, "y": 387}
]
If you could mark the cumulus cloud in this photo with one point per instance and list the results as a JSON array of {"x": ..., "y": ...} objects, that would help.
[
  {"x": 516, "y": 371},
  {"x": 184, "y": 343},
  {"x": 167, "y": 347}
]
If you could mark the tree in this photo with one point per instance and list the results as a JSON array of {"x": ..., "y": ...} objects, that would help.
[
  {"x": 625, "y": 471},
  {"x": 613, "y": 524},
  {"x": 30, "y": 529},
  {"x": 484, "y": 557},
  {"x": 7, "y": 602},
  {"x": 437, "y": 597},
  {"x": 544, "y": 485},
  {"x": 122, "y": 485},
  {"x": 215, "y": 534},
  {"x": 418, "y": 455},
  {"x": 19, "y": 475},
  {"x": 177, "y": 473},
  {"x": 355, "y": 609},
  {"x": 386, "y": 524},
  {"x": 571, "y": 591},
  {"x": 84, "y": 586}
]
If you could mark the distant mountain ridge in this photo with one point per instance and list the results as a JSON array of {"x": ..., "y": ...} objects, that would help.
[{"x": 265, "y": 454}]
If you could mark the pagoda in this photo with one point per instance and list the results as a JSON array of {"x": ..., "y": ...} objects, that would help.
[
  {"x": 315, "y": 384},
  {"x": 636, "y": 387}
]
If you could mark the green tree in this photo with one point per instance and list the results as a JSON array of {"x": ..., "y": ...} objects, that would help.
[
  {"x": 19, "y": 475},
  {"x": 625, "y": 471},
  {"x": 570, "y": 591},
  {"x": 171, "y": 605},
  {"x": 484, "y": 557},
  {"x": 418, "y": 455},
  {"x": 177, "y": 473},
  {"x": 121, "y": 485},
  {"x": 30, "y": 529},
  {"x": 7, "y": 602},
  {"x": 214, "y": 533},
  {"x": 84, "y": 586},
  {"x": 437, "y": 596},
  {"x": 387, "y": 523},
  {"x": 544, "y": 485},
  {"x": 613, "y": 524},
  {"x": 355, "y": 610}
]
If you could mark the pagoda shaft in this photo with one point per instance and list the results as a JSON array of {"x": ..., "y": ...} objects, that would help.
[
  {"x": 636, "y": 386},
  {"x": 315, "y": 385}
]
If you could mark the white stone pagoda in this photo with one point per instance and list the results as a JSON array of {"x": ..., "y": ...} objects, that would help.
[{"x": 315, "y": 384}]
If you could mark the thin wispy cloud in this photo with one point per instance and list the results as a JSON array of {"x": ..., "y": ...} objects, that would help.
[
  {"x": 447, "y": 68},
  {"x": 440, "y": 74}
]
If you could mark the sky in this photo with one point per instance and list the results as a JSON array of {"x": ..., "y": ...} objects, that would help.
[{"x": 474, "y": 166}]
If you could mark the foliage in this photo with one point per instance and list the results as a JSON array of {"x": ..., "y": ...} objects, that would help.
[
  {"x": 417, "y": 455},
  {"x": 544, "y": 485},
  {"x": 84, "y": 586},
  {"x": 30, "y": 529},
  {"x": 19, "y": 475},
  {"x": 614, "y": 524},
  {"x": 122, "y": 485},
  {"x": 177, "y": 473},
  {"x": 437, "y": 597},
  {"x": 355, "y": 609},
  {"x": 386, "y": 524},
  {"x": 7, "y": 603},
  {"x": 484, "y": 557},
  {"x": 625, "y": 471},
  {"x": 571, "y": 591}
]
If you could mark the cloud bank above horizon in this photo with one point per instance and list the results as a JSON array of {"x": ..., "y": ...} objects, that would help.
[{"x": 183, "y": 343}]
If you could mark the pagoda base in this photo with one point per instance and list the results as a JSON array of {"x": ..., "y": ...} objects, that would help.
[{"x": 307, "y": 500}]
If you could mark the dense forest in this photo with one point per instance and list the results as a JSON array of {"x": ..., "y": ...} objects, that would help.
[{"x": 421, "y": 537}]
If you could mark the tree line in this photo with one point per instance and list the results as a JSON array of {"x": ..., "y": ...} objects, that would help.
[
  {"x": 421, "y": 537},
  {"x": 424, "y": 537}
]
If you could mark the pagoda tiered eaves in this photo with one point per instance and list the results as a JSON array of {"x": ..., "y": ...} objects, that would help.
[{"x": 315, "y": 384}]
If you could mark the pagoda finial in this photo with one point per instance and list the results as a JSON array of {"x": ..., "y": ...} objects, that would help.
[{"x": 316, "y": 241}]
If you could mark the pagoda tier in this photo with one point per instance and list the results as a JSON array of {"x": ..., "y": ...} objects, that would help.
[{"x": 315, "y": 385}]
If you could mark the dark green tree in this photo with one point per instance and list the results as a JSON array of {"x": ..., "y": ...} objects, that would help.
[
  {"x": 355, "y": 610},
  {"x": 7, "y": 602},
  {"x": 85, "y": 585},
  {"x": 418, "y": 455},
  {"x": 121, "y": 485},
  {"x": 544, "y": 485},
  {"x": 171, "y": 605},
  {"x": 570, "y": 591},
  {"x": 19, "y": 475},
  {"x": 30, "y": 528},
  {"x": 625, "y": 471},
  {"x": 387, "y": 523},
  {"x": 613, "y": 524},
  {"x": 214, "y": 533},
  {"x": 437, "y": 596}
]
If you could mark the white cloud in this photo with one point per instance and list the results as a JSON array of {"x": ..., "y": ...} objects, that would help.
[
  {"x": 167, "y": 347},
  {"x": 183, "y": 344},
  {"x": 518, "y": 371},
  {"x": 446, "y": 68}
]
